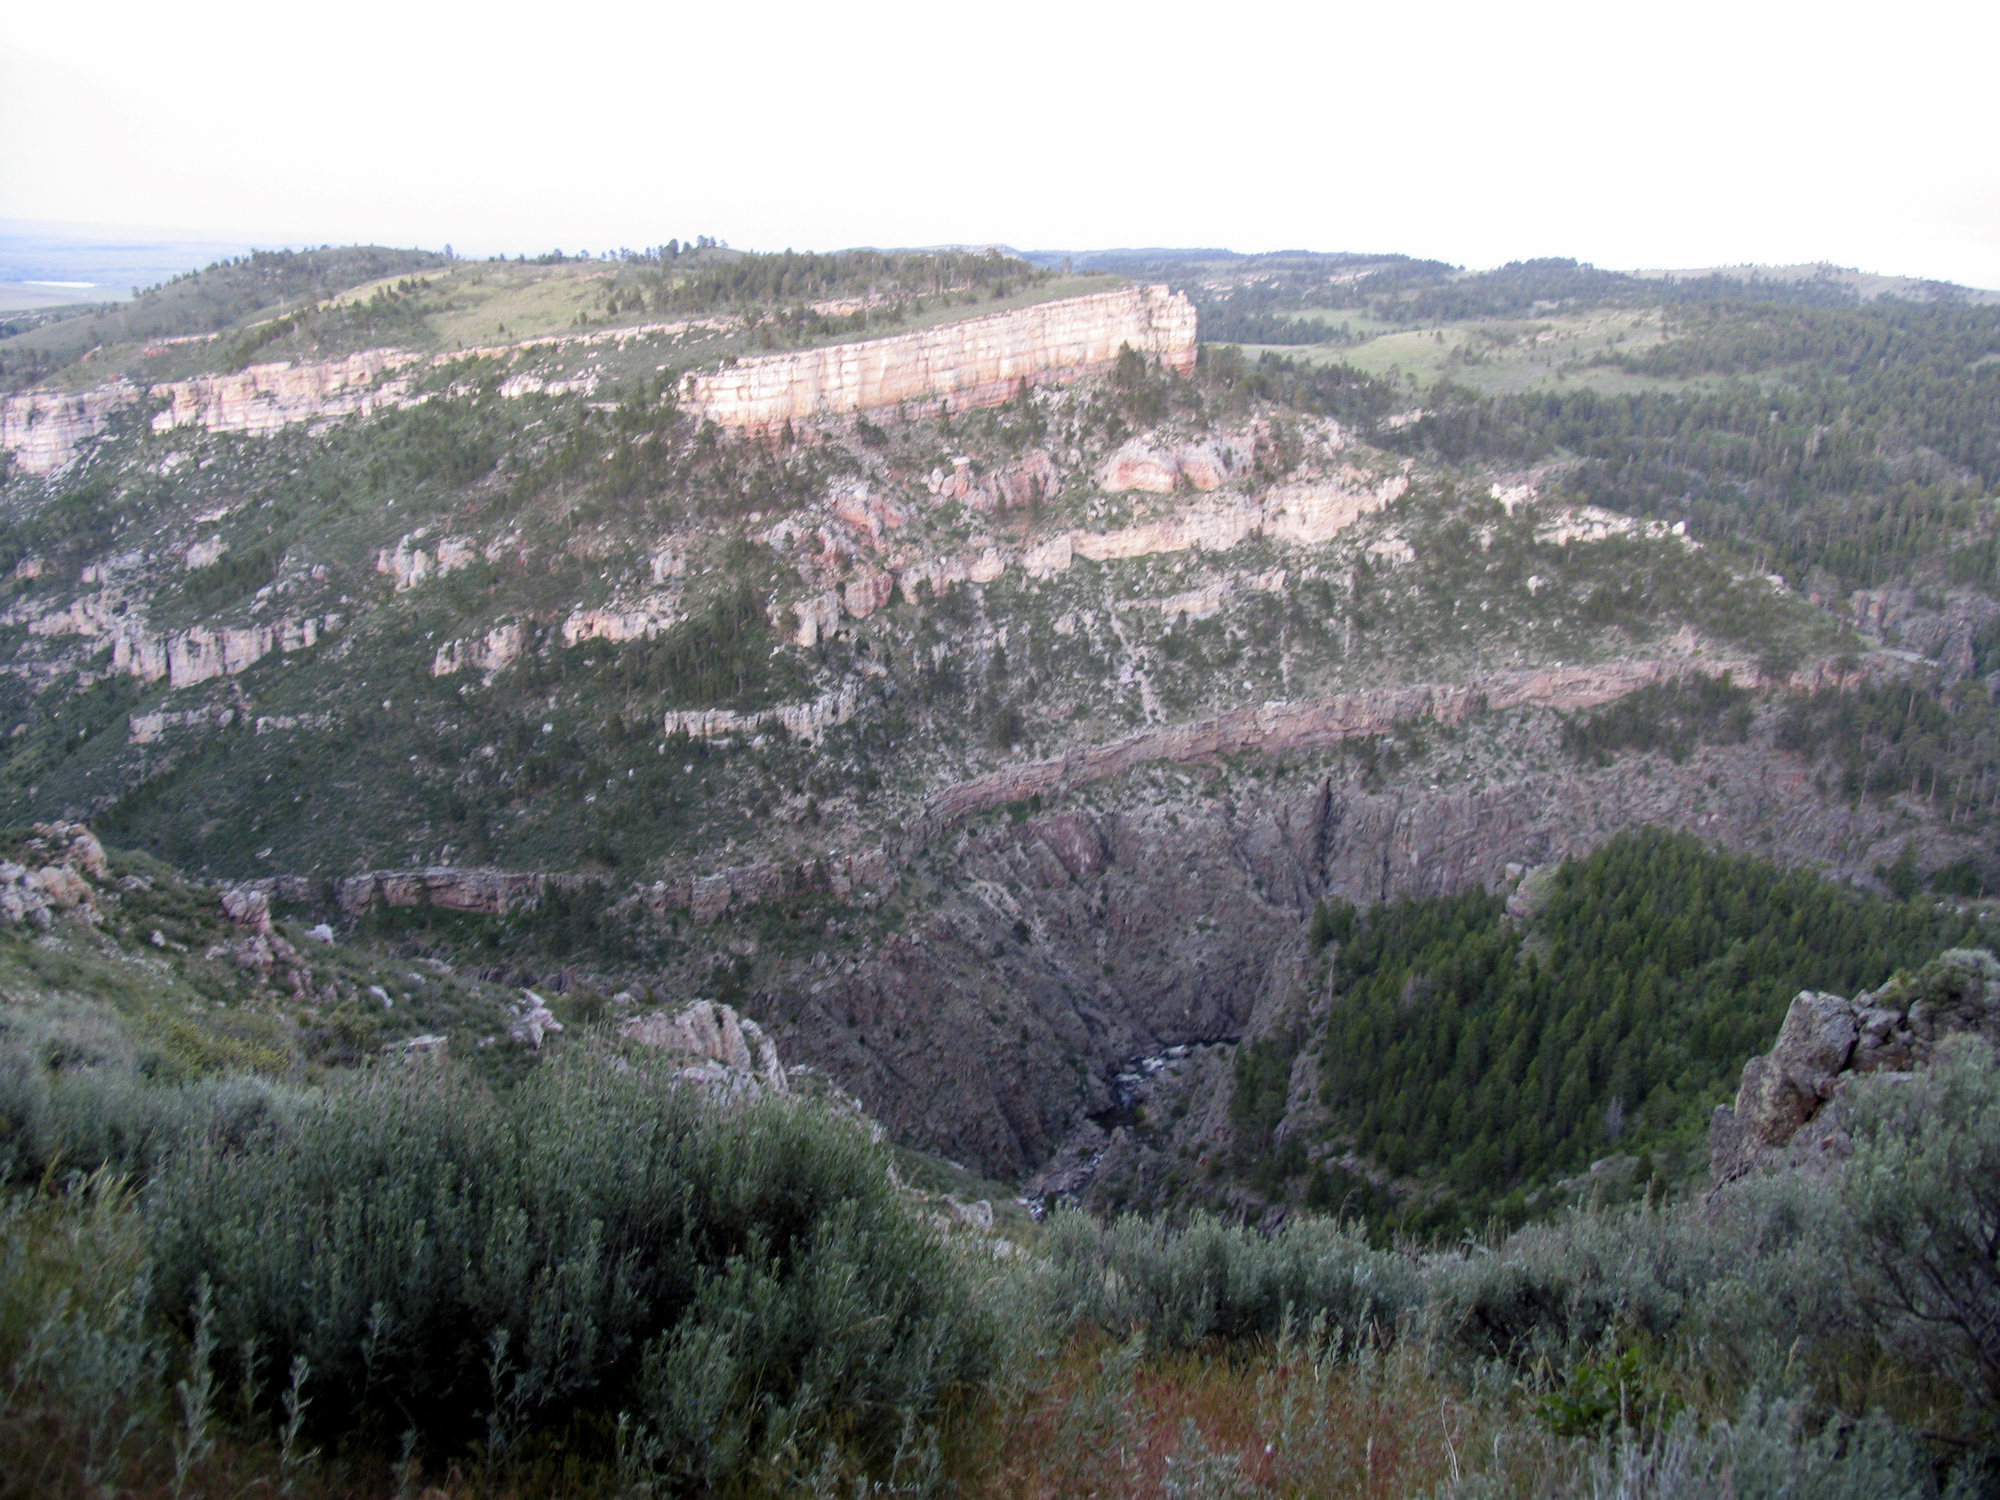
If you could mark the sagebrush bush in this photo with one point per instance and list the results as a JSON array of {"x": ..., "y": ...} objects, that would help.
[
  {"x": 82, "y": 1368},
  {"x": 1769, "y": 1451},
  {"x": 1216, "y": 1281},
  {"x": 1745, "y": 1277},
  {"x": 742, "y": 1280},
  {"x": 80, "y": 1115},
  {"x": 1921, "y": 1198}
]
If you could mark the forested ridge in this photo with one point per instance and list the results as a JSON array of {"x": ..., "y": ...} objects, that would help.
[{"x": 1484, "y": 1056}]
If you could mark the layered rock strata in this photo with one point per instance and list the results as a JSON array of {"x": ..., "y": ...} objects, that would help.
[
  {"x": 863, "y": 879},
  {"x": 264, "y": 398},
  {"x": 978, "y": 362},
  {"x": 802, "y": 721},
  {"x": 1278, "y": 728},
  {"x": 43, "y": 428},
  {"x": 1306, "y": 513},
  {"x": 184, "y": 657}
]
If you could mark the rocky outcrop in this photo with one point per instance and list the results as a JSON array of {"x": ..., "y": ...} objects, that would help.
[
  {"x": 43, "y": 429},
  {"x": 492, "y": 652},
  {"x": 57, "y": 871},
  {"x": 205, "y": 653},
  {"x": 264, "y": 398},
  {"x": 802, "y": 721},
  {"x": 1788, "y": 1111},
  {"x": 978, "y": 362},
  {"x": 533, "y": 1022},
  {"x": 1306, "y": 513},
  {"x": 863, "y": 879},
  {"x": 489, "y": 892},
  {"x": 1030, "y": 480},
  {"x": 1943, "y": 631},
  {"x": 185, "y": 657},
  {"x": 410, "y": 564},
  {"x": 1202, "y": 466},
  {"x": 640, "y": 620},
  {"x": 722, "y": 1049}
]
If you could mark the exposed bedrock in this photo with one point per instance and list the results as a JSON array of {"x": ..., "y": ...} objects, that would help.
[
  {"x": 1062, "y": 947},
  {"x": 979, "y": 362}
]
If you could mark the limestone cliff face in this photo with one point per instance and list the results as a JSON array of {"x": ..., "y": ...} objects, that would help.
[
  {"x": 42, "y": 429},
  {"x": 980, "y": 362},
  {"x": 264, "y": 398},
  {"x": 802, "y": 721},
  {"x": 182, "y": 657}
]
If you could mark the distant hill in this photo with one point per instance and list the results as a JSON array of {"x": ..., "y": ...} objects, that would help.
[{"x": 47, "y": 264}]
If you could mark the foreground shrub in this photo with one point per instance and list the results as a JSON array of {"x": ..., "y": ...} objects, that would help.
[
  {"x": 75, "y": 1099},
  {"x": 743, "y": 1281},
  {"x": 1214, "y": 1281},
  {"x": 1922, "y": 1196},
  {"x": 1769, "y": 1452},
  {"x": 1746, "y": 1276}
]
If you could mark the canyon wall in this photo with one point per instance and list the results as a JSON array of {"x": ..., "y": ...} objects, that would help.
[
  {"x": 979, "y": 362},
  {"x": 1276, "y": 728},
  {"x": 1170, "y": 911}
]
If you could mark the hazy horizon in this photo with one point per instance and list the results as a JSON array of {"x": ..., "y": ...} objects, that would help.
[
  {"x": 1475, "y": 134},
  {"x": 53, "y": 262}
]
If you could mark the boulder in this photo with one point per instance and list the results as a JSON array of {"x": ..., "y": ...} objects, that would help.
[{"x": 533, "y": 1022}]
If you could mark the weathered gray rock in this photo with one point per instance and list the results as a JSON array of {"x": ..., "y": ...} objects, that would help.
[
  {"x": 723, "y": 1047},
  {"x": 62, "y": 863},
  {"x": 534, "y": 1021},
  {"x": 1788, "y": 1110},
  {"x": 248, "y": 908}
]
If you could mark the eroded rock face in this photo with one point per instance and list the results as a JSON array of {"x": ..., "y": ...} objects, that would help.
[
  {"x": 721, "y": 1046},
  {"x": 978, "y": 362},
  {"x": 492, "y": 892},
  {"x": 1788, "y": 1110},
  {"x": 264, "y": 398},
  {"x": 492, "y": 652},
  {"x": 43, "y": 429},
  {"x": 1201, "y": 466},
  {"x": 1282, "y": 727},
  {"x": 802, "y": 721}
]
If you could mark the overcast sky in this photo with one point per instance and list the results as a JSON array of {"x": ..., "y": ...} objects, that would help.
[{"x": 1628, "y": 135}]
